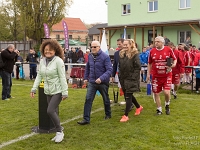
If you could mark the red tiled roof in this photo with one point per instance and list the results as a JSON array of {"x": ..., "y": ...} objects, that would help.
[{"x": 72, "y": 23}]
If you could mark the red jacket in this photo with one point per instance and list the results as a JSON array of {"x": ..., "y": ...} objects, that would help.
[{"x": 180, "y": 66}]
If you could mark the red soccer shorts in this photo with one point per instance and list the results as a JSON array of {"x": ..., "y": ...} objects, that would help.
[
  {"x": 175, "y": 78},
  {"x": 188, "y": 70},
  {"x": 159, "y": 83}
]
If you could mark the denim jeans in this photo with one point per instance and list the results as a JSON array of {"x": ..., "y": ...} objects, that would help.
[
  {"x": 33, "y": 72},
  {"x": 91, "y": 92},
  {"x": 6, "y": 84}
]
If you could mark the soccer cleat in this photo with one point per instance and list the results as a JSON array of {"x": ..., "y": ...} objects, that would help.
[
  {"x": 175, "y": 96},
  {"x": 124, "y": 118},
  {"x": 138, "y": 110},
  {"x": 59, "y": 137},
  {"x": 167, "y": 110},
  {"x": 158, "y": 112}
]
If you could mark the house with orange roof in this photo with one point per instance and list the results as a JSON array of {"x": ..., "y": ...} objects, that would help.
[{"x": 76, "y": 30}]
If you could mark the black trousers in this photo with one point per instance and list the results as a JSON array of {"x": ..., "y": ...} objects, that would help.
[{"x": 197, "y": 83}]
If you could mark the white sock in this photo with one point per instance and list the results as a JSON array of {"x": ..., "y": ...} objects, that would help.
[
  {"x": 160, "y": 109},
  {"x": 172, "y": 86},
  {"x": 174, "y": 93},
  {"x": 167, "y": 103}
]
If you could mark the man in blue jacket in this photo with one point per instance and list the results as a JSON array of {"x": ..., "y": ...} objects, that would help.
[{"x": 97, "y": 72}]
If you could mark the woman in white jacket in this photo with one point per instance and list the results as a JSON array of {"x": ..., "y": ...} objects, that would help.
[{"x": 52, "y": 71}]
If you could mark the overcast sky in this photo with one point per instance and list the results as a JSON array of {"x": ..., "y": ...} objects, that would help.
[{"x": 89, "y": 11}]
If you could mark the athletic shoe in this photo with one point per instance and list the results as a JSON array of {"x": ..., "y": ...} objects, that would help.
[
  {"x": 11, "y": 97},
  {"x": 175, "y": 96},
  {"x": 158, "y": 112},
  {"x": 59, "y": 137},
  {"x": 7, "y": 99},
  {"x": 197, "y": 92},
  {"x": 167, "y": 110},
  {"x": 124, "y": 118},
  {"x": 138, "y": 111}
]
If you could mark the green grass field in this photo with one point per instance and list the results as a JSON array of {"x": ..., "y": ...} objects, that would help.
[{"x": 180, "y": 130}]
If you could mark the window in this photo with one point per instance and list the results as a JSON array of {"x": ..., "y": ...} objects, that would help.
[
  {"x": 70, "y": 36},
  {"x": 150, "y": 36},
  {"x": 58, "y": 36},
  {"x": 91, "y": 37},
  {"x": 126, "y": 9},
  {"x": 184, "y": 4},
  {"x": 182, "y": 35},
  {"x": 152, "y": 6}
]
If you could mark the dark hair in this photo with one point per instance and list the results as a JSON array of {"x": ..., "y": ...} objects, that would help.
[
  {"x": 121, "y": 39},
  {"x": 190, "y": 44},
  {"x": 186, "y": 48},
  {"x": 53, "y": 45},
  {"x": 170, "y": 44},
  {"x": 193, "y": 46}
]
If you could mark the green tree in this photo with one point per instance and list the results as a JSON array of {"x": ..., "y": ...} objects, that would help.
[{"x": 35, "y": 13}]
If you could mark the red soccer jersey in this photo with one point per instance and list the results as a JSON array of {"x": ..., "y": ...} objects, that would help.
[
  {"x": 186, "y": 58},
  {"x": 158, "y": 59},
  {"x": 192, "y": 56},
  {"x": 180, "y": 65}
]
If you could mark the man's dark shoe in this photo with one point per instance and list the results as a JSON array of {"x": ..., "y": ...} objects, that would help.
[
  {"x": 107, "y": 117},
  {"x": 158, "y": 112},
  {"x": 167, "y": 110},
  {"x": 83, "y": 122}
]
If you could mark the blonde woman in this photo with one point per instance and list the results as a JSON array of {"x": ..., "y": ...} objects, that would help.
[{"x": 129, "y": 75}]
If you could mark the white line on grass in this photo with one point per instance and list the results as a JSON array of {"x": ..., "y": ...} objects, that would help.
[
  {"x": 22, "y": 84},
  {"x": 32, "y": 134}
]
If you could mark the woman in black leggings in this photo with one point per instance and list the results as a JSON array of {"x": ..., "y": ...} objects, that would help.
[{"x": 129, "y": 76}]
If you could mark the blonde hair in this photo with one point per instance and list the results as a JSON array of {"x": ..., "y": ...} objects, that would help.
[{"x": 130, "y": 53}]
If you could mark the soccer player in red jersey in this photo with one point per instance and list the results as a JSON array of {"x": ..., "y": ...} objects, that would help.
[
  {"x": 161, "y": 73},
  {"x": 178, "y": 70},
  {"x": 187, "y": 61},
  {"x": 193, "y": 53},
  {"x": 181, "y": 50}
]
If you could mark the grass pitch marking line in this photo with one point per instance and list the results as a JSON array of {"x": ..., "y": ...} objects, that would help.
[
  {"x": 22, "y": 84},
  {"x": 24, "y": 137}
]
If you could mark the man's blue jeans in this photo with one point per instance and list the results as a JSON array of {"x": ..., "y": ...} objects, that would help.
[
  {"x": 33, "y": 71},
  {"x": 6, "y": 84},
  {"x": 91, "y": 92}
]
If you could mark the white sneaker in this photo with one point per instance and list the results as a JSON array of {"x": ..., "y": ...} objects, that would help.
[{"x": 59, "y": 137}]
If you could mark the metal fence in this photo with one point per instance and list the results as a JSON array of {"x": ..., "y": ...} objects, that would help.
[{"x": 20, "y": 45}]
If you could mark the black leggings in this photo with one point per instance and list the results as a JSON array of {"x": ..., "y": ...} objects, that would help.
[
  {"x": 52, "y": 110},
  {"x": 129, "y": 100}
]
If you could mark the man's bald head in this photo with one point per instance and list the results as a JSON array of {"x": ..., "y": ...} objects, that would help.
[{"x": 95, "y": 46}]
